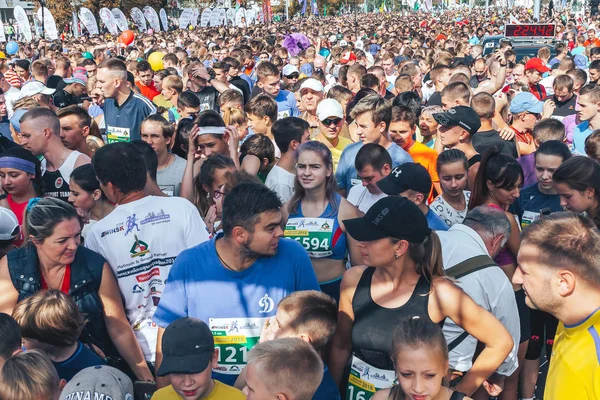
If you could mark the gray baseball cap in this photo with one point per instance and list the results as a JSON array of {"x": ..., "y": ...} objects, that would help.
[{"x": 99, "y": 382}]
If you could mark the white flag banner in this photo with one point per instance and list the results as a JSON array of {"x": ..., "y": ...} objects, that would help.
[
  {"x": 195, "y": 17},
  {"x": 428, "y": 5},
  {"x": 214, "y": 18},
  {"x": 152, "y": 17},
  {"x": 222, "y": 16},
  {"x": 231, "y": 16},
  {"x": 185, "y": 18},
  {"x": 49, "y": 23},
  {"x": 88, "y": 19},
  {"x": 23, "y": 22},
  {"x": 109, "y": 20},
  {"x": 513, "y": 20},
  {"x": 120, "y": 19},
  {"x": 138, "y": 19},
  {"x": 206, "y": 17},
  {"x": 250, "y": 16},
  {"x": 2, "y": 35},
  {"x": 163, "y": 18},
  {"x": 239, "y": 15}
]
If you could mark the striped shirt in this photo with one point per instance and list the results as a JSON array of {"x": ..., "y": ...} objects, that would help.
[{"x": 12, "y": 78}]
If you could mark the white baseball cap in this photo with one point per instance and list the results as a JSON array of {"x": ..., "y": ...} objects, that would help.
[
  {"x": 312, "y": 84},
  {"x": 9, "y": 225},
  {"x": 343, "y": 43},
  {"x": 289, "y": 69},
  {"x": 329, "y": 108},
  {"x": 35, "y": 87}
]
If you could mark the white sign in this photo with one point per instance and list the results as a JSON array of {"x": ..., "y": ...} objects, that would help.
[
  {"x": 109, "y": 20},
  {"x": 88, "y": 20},
  {"x": 21, "y": 17},
  {"x": 231, "y": 16},
  {"x": 49, "y": 24},
  {"x": 138, "y": 19},
  {"x": 195, "y": 17},
  {"x": 120, "y": 19},
  {"x": 206, "y": 17},
  {"x": 164, "y": 19},
  {"x": 152, "y": 17},
  {"x": 2, "y": 36},
  {"x": 239, "y": 16},
  {"x": 222, "y": 16},
  {"x": 185, "y": 18}
]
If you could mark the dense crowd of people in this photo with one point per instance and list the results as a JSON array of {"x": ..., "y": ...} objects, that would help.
[{"x": 380, "y": 209}]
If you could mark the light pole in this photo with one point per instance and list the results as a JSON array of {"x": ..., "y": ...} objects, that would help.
[{"x": 43, "y": 4}]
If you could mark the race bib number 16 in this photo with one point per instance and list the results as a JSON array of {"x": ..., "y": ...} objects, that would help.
[
  {"x": 365, "y": 380},
  {"x": 234, "y": 338}
]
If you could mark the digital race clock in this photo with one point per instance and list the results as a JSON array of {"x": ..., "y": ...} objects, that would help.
[{"x": 530, "y": 30}]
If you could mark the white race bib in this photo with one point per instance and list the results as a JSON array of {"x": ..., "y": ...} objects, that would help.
[{"x": 365, "y": 380}]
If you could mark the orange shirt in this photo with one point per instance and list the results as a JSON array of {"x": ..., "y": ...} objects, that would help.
[
  {"x": 427, "y": 157},
  {"x": 149, "y": 92},
  {"x": 595, "y": 42}
]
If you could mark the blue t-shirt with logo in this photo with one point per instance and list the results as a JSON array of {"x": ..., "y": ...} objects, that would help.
[
  {"x": 286, "y": 105},
  {"x": 346, "y": 175},
  {"x": 581, "y": 132},
  {"x": 531, "y": 202},
  {"x": 235, "y": 305}
]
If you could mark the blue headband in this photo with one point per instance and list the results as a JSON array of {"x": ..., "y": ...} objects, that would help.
[{"x": 17, "y": 163}]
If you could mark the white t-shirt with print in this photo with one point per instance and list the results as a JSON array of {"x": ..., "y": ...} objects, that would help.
[
  {"x": 448, "y": 213},
  {"x": 140, "y": 241}
]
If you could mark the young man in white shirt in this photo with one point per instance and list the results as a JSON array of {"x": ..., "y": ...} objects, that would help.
[{"x": 289, "y": 134}]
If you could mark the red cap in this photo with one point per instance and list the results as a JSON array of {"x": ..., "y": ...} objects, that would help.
[
  {"x": 349, "y": 56},
  {"x": 537, "y": 64},
  {"x": 441, "y": 36}
]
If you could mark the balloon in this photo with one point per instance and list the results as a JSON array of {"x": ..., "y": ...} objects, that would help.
[
  {"x": 87, "y": 55},
  {"x": 156, "y": 60},
  {"x": 150, "y": 31},
  {"x": 127, "y": 37},
  {"x": 12, "y": 48}
]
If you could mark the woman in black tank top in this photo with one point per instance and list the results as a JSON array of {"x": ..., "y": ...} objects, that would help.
[
  {"x": 420, "y": 356},
  {"x": 405, "y": 279}
]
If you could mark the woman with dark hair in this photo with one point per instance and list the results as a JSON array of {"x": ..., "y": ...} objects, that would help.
[
  {"x": 87, "y": 197},
  {"x": 498, "y": 184},
  {"x": 577, "y": 181},
  {"x": 21, "y": 178},
  {"x": 316, "y": 212},
  {"x": 403, "y": 277},
  {"x": 53, "y": 259}
]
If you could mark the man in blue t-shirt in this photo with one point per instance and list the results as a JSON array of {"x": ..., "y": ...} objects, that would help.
[
  {"x": 269, "y": 82},
  {"x": 372, "y": 115},
  {"x": 411, "y": 180},
  {"x": 124, "y": 110},
  {"x": 234, "y": 282}
]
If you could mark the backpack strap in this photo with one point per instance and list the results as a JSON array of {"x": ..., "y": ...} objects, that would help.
[{"x": 470, "y": 265}]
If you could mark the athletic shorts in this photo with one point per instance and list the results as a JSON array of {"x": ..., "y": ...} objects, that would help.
[
  {"x": 524, "y": 316},
  {"x": 543, "y": 330}
]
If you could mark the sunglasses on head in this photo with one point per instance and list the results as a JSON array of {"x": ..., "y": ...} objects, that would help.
[
  {"x": 329, "y": 121},
  {"x": 293, "y": 76}
]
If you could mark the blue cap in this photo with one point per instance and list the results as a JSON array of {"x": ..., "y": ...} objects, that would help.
[
  {"x": 15, "y": 119},
  {"x": 526, "y": 102}
]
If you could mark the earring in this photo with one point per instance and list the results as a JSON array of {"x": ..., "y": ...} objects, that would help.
[
  {"x": 207, "y": 196},
  {"x": 396, "y": 256}
]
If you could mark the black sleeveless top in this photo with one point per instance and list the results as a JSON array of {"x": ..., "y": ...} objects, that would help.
[
  {"x": 374, "y": 325},
  {"x": 55, "y": 185}
]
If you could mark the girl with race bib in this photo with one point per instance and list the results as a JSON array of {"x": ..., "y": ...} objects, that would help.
[
  {"x": 498, "y": 184},
  {"x": 420, "y": 357},
  {"x": 403, "y": 277},
  {"x": 316, "y": 212}
]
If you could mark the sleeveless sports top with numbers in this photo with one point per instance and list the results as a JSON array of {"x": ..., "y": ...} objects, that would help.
[
  {"x": 374, "y": 325},
  {"x": 322, "y": 237}
]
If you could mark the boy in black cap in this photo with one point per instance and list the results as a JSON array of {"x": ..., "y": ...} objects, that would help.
[
  {"x": 189, "y": 357},
  {"x": 412, "y": 181},
  {"x": 457, "y": 127}
]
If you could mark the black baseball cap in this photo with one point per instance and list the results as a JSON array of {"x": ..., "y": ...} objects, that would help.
[
  {"x": 393, "y": 217},
  {"x": 188, "y": 347},
  {"x": 408, "y": 176},
  {"x": 462, "y": 116}
]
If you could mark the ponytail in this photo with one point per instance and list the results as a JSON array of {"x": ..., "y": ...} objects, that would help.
[{"x": 428, "y": 257}]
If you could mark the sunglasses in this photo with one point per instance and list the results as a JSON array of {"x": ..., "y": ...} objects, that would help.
[
  {"x": 293, "y": 76},
  {"x": 329, "y": 121}
]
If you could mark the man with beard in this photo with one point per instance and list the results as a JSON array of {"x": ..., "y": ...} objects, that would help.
[
  {"x": 234, "y": 281},
  {"x": 559, "y": 269}
]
